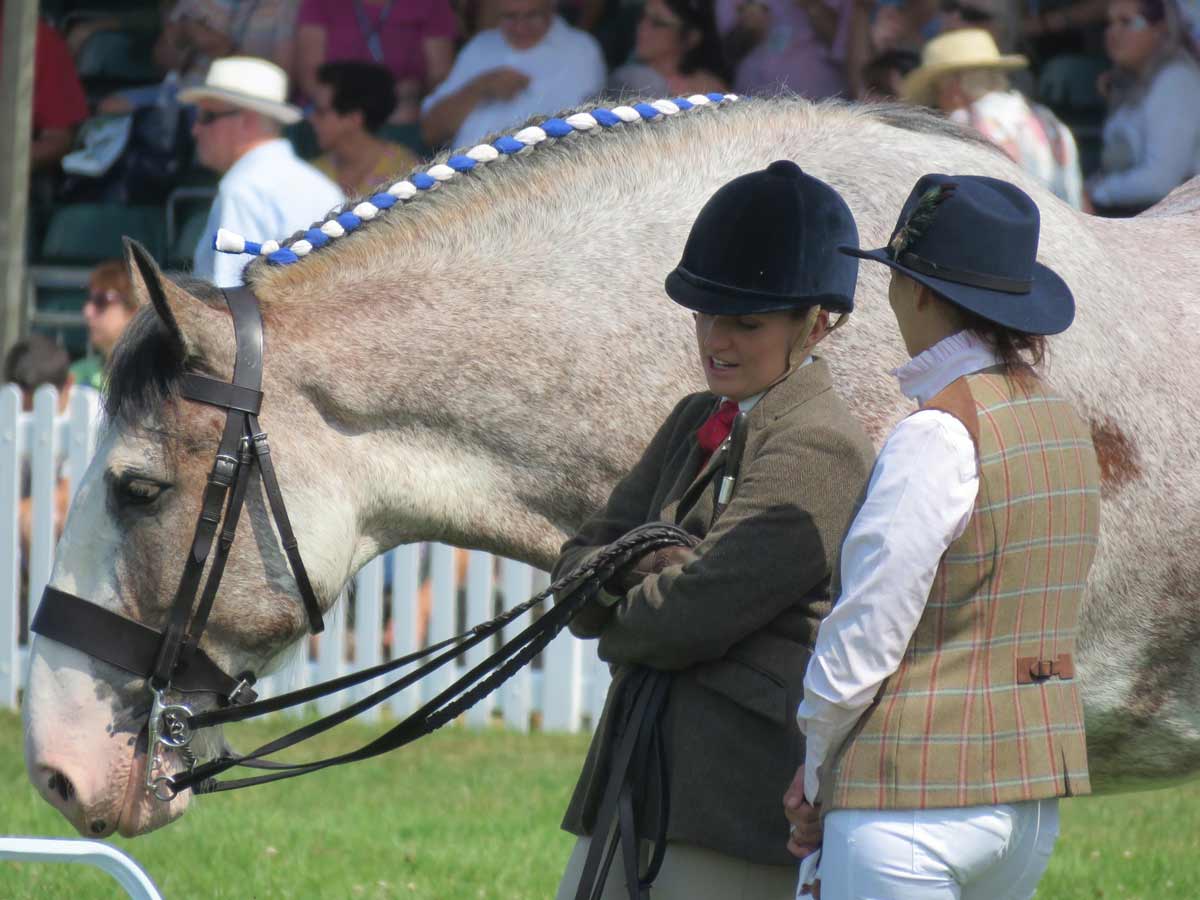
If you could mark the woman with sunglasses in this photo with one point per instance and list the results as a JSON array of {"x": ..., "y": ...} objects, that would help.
[
  {"x": 1152, "y": 133},
  {"x": 109, "y": 307},
  {"x": 678, "y": 52}
]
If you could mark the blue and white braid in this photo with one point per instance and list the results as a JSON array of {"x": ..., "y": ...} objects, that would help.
[{"x": 346, "y": 221}]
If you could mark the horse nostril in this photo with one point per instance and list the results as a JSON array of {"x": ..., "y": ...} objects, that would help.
[
  {"x": 60, "y": 784},
  {"x": 99, "y": 826}
]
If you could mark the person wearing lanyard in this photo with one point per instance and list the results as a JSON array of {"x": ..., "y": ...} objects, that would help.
[
  {"x": 726, "y": 624},
  {"x": 940, "y": 705}
]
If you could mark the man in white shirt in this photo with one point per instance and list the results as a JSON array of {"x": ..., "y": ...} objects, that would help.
[
  {"x": 266, "y": 192},
  {"x": 533, "y": 63}
]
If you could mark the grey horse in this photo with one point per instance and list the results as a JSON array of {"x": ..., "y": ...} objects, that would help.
[{"x": 479, "y": 363}]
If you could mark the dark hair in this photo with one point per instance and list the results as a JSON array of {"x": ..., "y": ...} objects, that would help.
[
  {"x": 709, "y": 53},
  {"x": 363, "y": 87},
  {"x": 37, "y": 360},
  {"x": 877, "y": 70},
  {"x": 1019, "y": 352},
  {"x": 1154, "y": 11}
]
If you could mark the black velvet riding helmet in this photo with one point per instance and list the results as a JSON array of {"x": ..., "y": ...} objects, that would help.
[{"x": 765, "y": 242}]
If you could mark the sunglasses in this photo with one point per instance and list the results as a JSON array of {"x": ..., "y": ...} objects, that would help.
[
  {"x": 657, "y": 22},
  {"x": 102, "y": 300},
  {"x": 208, "y": 116}
]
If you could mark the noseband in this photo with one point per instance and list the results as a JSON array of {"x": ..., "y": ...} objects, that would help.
[{"x": 172, "y": 660}]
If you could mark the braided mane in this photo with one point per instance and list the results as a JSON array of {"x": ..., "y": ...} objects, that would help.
[{"x": 346, "y": 220}]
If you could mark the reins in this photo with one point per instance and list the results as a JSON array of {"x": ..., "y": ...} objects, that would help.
[{"x": 570, "y": 594}]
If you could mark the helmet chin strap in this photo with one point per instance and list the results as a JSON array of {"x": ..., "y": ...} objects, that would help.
[{"x": 798, "y": 351}]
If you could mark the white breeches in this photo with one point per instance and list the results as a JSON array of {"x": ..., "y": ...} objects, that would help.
[{"x": 973, "y": 853}]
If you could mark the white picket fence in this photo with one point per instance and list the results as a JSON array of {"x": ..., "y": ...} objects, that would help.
[{"x": 562, "y": 691}]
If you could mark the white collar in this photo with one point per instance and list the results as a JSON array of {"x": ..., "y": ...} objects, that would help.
[{"x": 930, "y": 371}]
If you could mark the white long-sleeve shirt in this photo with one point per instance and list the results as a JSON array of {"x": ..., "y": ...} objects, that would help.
[{"x": 919, "y": 499}]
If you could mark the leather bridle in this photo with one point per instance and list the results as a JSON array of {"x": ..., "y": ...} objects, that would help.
[{"x": 171, "y": 660}]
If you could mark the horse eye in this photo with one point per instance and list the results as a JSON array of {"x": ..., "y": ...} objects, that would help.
[{"x": 139, "y": 491}]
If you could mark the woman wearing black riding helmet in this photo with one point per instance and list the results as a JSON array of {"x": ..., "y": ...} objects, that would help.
[{"x": 725, "y": 627}]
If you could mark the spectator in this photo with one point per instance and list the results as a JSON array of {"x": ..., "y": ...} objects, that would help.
[
  {"x": 963, "y": 73},
  {"x": 798, "y": 45},
  {"x": 59, "y": 105},
  {"x": 265, "y": 192},
  {"x": 31, "y": 363},
  {"x": 109, "y": 306},
  {"x": 905, "y": 24},
  {"x": 414, "y": 41},
  {"x": 678, "y": 52},
  {"x": 35, "y": 361},
  {"x": 534, "y": 62},
  {"x": 1152, "y": 134},
  {"x": 884, "y": 75},
  {"x": 352, "y": 102},
  {"x": 195, "y": 32}
]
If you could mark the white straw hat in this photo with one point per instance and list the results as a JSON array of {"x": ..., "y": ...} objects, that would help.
[
  {"x": 248, "y": 82},
  {"x": 955, "y": 51}
]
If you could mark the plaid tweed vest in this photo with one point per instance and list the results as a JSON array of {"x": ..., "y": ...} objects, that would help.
[{"x": 984, "y": 708}]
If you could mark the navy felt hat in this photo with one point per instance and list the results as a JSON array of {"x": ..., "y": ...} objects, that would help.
[
  {"x": 973, "y": 240},
  {"x": 767, "y": 241}
]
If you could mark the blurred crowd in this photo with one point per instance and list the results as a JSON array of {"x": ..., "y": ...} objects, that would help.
[{"x": 289, "y": 106}]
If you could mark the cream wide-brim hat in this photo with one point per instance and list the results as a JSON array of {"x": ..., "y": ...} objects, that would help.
[
  {"x": 955, "y": 51},
  {"x": 247, "y": 82}
]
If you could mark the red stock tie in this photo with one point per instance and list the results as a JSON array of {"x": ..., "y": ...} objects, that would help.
[{"x": 716, "y": 428}]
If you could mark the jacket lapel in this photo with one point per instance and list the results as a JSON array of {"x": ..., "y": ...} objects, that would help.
[{"x": 799, "y": 387}]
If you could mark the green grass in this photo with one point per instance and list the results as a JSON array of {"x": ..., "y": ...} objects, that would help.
[{"x": 465, "y": 815}]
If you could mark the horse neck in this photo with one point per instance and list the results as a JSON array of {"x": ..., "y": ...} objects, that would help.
[{"x": 452, "y": 416}]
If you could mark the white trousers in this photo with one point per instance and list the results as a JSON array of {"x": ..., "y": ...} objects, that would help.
[{"x": 973, "y": 853}]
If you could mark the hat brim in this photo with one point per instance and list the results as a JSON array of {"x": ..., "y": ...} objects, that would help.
[
  {"x": 704, "y": 296},
  {"x": 1048, "y": 308},
  {"x": 284, "y": 113},
  {"x": 917, "y": 86}
]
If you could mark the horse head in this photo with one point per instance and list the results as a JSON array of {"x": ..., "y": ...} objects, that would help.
[{"x": 126, "y": 540}]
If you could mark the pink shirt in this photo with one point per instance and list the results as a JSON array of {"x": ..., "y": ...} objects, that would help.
[
  {"x": 791, "y": 56},
  {"x": 409, "y": 24}
]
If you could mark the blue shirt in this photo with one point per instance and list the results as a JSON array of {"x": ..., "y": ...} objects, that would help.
[{"x": 268, "y": 194}]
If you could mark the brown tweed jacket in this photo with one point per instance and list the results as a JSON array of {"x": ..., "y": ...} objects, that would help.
[
  {"x": 736, "y": 624},
  {"x": 965, "y": 720}
]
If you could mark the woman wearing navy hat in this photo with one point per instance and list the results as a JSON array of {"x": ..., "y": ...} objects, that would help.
[
  {"x": 722, "y": 630},
  {"x": 940, "y": 705}
]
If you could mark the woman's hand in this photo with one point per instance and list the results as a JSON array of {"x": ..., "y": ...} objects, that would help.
[
  {"x": 650, "y": 564},
  {"x": 805, "y": 818}
]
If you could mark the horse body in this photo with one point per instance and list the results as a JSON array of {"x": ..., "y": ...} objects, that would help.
[{"x": 479, "y": 365}]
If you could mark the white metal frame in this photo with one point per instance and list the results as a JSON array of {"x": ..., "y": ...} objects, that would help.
[{"x": 121, "y": 866}]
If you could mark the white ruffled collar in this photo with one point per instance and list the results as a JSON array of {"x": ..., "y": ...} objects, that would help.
[{"x": 927, "y": 373}]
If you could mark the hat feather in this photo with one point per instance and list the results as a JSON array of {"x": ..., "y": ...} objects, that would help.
[{"x": 920, "y": 218}]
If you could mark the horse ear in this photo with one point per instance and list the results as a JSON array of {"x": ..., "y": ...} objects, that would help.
[{"x": 204, "y": 334}]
